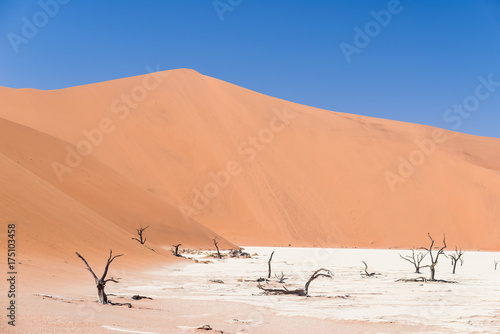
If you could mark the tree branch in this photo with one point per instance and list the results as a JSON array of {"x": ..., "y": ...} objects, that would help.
[
  {"x": 88, "y": 267},
  {"x": 110, "y": 259},
  {"x": 111, "y": 280}
]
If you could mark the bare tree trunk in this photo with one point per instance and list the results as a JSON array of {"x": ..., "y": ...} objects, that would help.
[
  {"x": 103, "y": 298},
  {"x": 176, "y": 253},
  {"x": 269, "y": 265},
  {"x": 217, "y": 247}
]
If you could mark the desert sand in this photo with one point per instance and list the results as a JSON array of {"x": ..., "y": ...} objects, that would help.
[{"x": 196, "y": 158}]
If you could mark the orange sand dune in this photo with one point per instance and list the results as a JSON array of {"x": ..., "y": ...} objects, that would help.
[
  {"x": 93, "y": 210},
  {"x": 252, "y": 168}
]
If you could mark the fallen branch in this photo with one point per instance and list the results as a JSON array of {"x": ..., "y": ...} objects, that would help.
[
  {"x": 299, "y": 292},
  {"x": 139, "y": 297},
  {"x": 366, "y": 273},
  {"x": 423, "y": 280}
]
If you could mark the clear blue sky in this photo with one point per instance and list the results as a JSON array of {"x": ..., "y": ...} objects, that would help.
[{"x": 427, "y": 58}]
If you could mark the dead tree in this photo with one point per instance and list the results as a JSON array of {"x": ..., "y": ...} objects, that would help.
[
  {"x": 366, "y": 273},
  {"x": 269, "y": 265},
  {"x": 217, "y": 247},
  {"x": 457, "y": 256},
  {"x": 434, "y": 261},
  {"x": 101, "y": 282},
  {"x": 299, "y": 292},
  {"x": 496, "y": 263},
  {"x": 281, "y": 279},
  {"x": 176, "y": 252},
  {"x": 139, "y": 232},
  {"x": 414, "y": 259}
]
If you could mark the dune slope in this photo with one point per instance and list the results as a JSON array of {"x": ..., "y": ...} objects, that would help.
[{"x": 93, "y": 210}]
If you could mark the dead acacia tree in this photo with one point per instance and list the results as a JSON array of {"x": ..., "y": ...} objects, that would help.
[
  {"x": 176, "y": 252},
  {"x": 434, "y": 261},
  {"x": 366, "y": 273},
  {"x": 456, "y": 257},
  {"x": 299, "y": 292},
  {"x": 414, "y": 259},
  {"x": 281, "y": 279},
  {"x": 101, "y": 282},
  {"x": 139, "y": 232},
  {"x": 217, "y": 247},
  {"x": 269, "y": 265}
]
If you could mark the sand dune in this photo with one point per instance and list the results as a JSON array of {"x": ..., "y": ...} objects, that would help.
[
  {"x": 253, "y": 169},
  {"x": 93, "y": 210}
]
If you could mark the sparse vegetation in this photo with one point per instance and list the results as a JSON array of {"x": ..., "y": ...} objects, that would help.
[
  {"x": 434, "y": 261},
  {"x": 239, "y": 253}
]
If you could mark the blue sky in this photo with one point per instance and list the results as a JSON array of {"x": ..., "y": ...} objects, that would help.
[{"x": 412, "y": 67}]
